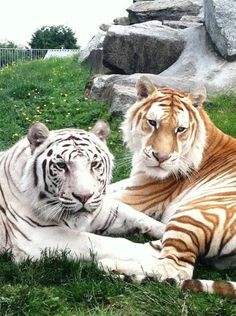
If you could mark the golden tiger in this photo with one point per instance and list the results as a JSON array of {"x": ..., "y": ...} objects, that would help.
[{"x": 183, "y": 173}]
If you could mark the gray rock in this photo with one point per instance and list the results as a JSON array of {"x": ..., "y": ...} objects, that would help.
[
  {"x": 117, "y": 90},
  {"x": 197, "y": 65},
  {"x": 141, "y": 0},
  {"x": 220, "y": 21},
  {"x": 124, "y": 20},
  {"x": 104, "y": 27},
  {"x": 146, "y": 47},
  {"x": 180, "y": 24},
  {"x": 162, "y": 10},
  {"x": 92, "y": 55},
  {"x": 191, "y": 18}
]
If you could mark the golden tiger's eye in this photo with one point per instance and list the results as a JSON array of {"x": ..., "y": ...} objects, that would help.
[{"x": 181, "y": 129}]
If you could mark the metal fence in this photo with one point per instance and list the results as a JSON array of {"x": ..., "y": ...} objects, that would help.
[{"x": 9, "y": 56}]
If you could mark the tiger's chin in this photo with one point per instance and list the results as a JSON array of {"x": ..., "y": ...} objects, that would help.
[
  {"x": 163, "y": 171},
  {"x": 157, "y": 172},
  {"x": 59, "y": 213}
]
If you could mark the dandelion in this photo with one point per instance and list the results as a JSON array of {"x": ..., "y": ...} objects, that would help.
[{"x": 14, "y": 136}]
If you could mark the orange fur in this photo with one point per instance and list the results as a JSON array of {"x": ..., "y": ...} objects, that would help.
[{"x": 199, "y": 204}]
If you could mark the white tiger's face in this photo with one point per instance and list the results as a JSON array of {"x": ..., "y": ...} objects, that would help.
[{"x": 70, "y": 171}]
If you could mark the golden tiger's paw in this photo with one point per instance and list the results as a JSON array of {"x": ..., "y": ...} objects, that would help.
[{"x": 133, "y": 271}]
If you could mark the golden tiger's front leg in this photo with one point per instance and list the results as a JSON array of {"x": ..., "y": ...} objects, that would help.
[{"x": 179, "y": 250}]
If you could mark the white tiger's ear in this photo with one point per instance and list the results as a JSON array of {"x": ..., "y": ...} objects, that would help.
[
  {"x": 144, "y": 87},
  {"x": 198, "y": 96},
  {"x": 102, "y": 130},
  {"x": 37, "y": 134}
]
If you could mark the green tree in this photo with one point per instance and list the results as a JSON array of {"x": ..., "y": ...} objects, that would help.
[
  {"x": 8, "y": 44},
  {"x": 54, "y": 37},
  {"x": 8, "y": 53}
]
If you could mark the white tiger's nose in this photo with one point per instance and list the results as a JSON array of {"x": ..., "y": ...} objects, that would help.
[{"x": 83, "y": 198}]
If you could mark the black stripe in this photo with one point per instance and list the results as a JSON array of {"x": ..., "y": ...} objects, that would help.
[
  {"x": 38, "y": 224},
  {"x": 44, "y": 165},
  {"x": 17, "y": 229}
]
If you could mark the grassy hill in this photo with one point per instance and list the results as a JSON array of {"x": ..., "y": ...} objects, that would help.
[{"x": 52, "y": 92}]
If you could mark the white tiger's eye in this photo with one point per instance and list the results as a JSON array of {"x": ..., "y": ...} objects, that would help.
[
  {"x": 152, "y": 123},
  {"x": 94, "y": 164},
  {"x": 62, "y": 165}
]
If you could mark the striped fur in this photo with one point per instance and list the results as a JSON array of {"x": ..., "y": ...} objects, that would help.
[
  {"x": 52, "y": 186},
  {"x": 183, "y": 173}
]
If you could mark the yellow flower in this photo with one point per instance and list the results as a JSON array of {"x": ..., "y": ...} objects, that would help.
[{"x": 15, "y": 135}]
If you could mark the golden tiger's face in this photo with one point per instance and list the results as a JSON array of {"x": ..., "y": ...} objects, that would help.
[{"x": 165, "y": 133}]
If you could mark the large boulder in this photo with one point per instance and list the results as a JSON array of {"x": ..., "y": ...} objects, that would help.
[
  {"x": 220, "y": 21},
  {"x": 92, "y": 54},
  {"x": 197, "y": 65},
  {"x": 143, "y": 11},
  {"x": 146, "y": 47}
]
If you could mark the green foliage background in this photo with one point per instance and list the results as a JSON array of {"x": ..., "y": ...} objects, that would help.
[
  {"x": 54, "y": 37},
  {"x": 51, "y": 91}
]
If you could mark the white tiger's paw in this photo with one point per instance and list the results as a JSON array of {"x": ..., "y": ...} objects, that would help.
[{"x": 150, "y": 226}]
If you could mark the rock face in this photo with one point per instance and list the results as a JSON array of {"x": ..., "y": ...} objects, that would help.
[
  {"x": 174, "y": 49},
  {"x": 220, "y": 21},
  {"x": 197, "y": 65},
  {"x": 146, "y": 47},
  {"x": 93, "y": 53},
  {"x": 141, "y": 0},
  {"x": 143, "y": 11}
]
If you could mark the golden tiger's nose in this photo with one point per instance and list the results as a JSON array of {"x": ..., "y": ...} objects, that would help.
[
  {"x": 83, "y": 198},
  {"x": 160, "y": 157}
]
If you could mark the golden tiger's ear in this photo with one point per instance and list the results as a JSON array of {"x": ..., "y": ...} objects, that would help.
[
  {"x": 145, "y": 87},
  {"x": 37, "y": 134},
  {"x": 102, "y": 130},
  {"x": 198, "y": 96}
]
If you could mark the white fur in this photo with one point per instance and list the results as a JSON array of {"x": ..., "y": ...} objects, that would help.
[{"x": 28, "y": 226}]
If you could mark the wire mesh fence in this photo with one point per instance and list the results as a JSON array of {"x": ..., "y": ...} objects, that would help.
[{"x": 9, "y": 56}]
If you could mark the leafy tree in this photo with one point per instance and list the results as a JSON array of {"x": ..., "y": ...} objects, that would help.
[
  {"x": 8, "y": 53},
  {"x": 54, "y": 37},
  {"x": 8, "y": 44}
]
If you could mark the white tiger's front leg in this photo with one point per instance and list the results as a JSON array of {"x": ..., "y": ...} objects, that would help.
[
  {"x": 117, "y": 186},
  {"x": 79, "y": 245},
  {"x": 116, "y": 217}
]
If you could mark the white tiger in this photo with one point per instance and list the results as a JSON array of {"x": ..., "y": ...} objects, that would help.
[{"x": 52, "y": 186}]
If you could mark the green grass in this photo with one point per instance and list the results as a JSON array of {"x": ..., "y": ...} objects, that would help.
[{"x": 52, "y": 91}]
